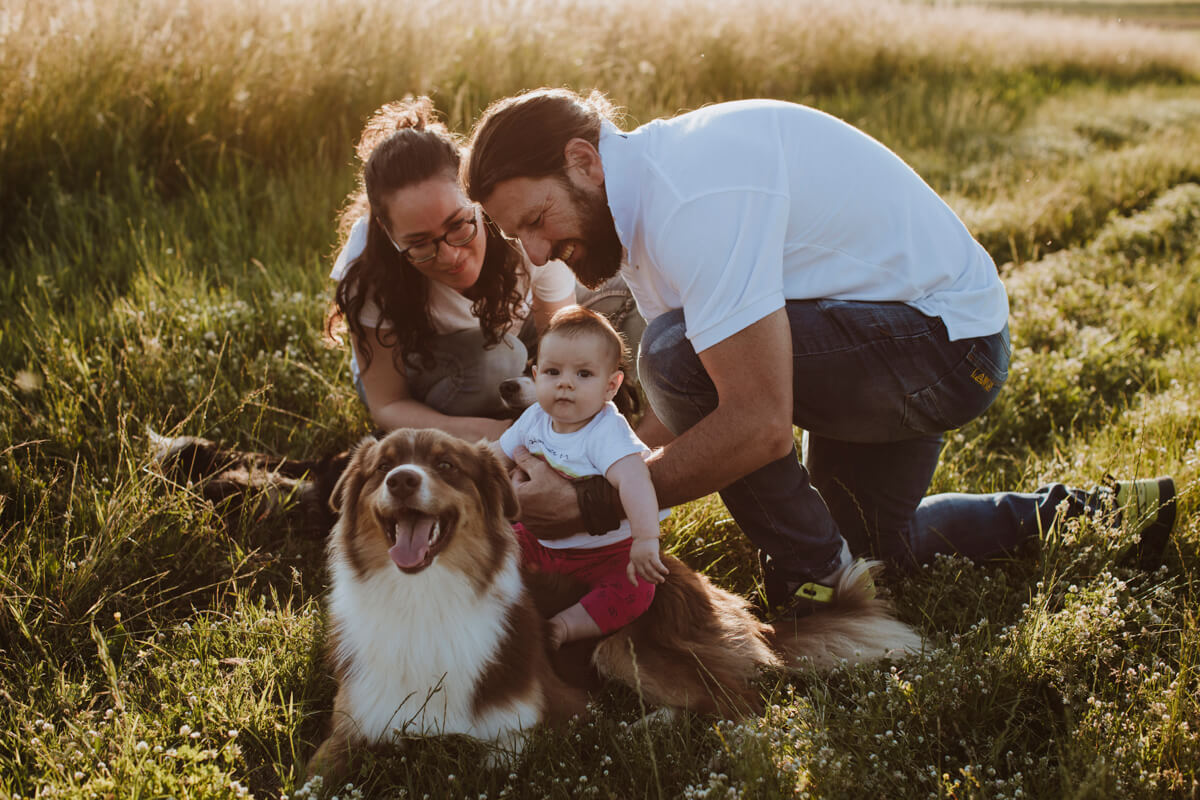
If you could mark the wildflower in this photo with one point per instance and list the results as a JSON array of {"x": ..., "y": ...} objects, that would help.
[{"x": 28, "y": 381}]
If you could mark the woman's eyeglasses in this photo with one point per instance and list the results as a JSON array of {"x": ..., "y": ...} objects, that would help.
[{"x": 460, "y": 234}]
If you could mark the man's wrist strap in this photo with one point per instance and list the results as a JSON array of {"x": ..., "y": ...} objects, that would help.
[{"x": 600, "y": 505}]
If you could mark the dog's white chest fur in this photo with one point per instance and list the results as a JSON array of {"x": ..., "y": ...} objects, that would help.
[{"x": 415, "y": 648}]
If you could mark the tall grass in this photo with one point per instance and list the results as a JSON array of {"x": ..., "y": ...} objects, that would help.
[
  {"x": 89, "y": 90},
  {"x": 169, "y": 176}
]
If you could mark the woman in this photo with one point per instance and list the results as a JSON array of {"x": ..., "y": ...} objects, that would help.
[{"x": 440, "y": 306}]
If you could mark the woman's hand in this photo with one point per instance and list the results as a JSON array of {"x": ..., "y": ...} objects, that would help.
[
  {"x": 494, "y": 428},
  {"x": 549, "y": 508}
]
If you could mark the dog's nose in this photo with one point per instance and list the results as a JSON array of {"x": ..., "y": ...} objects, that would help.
[
  {"x": 510, "y": 388},
  {"x": 403, "y": 481}
]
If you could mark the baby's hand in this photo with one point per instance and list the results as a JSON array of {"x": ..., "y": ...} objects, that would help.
[{"x": 644, "y": 561}]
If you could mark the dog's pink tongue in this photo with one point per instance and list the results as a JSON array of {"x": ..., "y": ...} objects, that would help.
[{"x": 412, "y": 541}]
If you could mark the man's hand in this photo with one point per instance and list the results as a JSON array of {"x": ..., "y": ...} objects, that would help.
[
  {"x": 644, "y": 561},
  {"x": 549, "y": 508}
]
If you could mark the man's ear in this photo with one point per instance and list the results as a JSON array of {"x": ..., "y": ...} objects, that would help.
[
  {"x": 614, "y": 383},
  {"x": 584, "y": 161}
]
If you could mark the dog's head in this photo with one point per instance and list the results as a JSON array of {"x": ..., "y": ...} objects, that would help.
[
  {"x": 518, "y": 393},
  {"x": 418, "y": 497}
]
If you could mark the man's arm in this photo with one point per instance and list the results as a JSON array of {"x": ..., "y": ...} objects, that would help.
[
  {"x": 751, "y": 427},
  {"x": 752, "y": 424}
]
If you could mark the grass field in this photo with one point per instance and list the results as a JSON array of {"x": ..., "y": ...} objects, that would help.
[
  {"x": 1165, "y": 14},
  {"x": 169, "y": 177}
]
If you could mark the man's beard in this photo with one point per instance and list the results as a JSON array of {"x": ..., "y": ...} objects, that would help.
[{"x": 601, "y": 245}]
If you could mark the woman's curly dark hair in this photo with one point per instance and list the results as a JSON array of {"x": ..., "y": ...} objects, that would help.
[{"x": 403, "y": 144}]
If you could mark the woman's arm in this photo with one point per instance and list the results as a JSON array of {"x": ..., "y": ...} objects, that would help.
[
  {"x": 392, "y": 406},
  {"x": 543, "y": 311}
]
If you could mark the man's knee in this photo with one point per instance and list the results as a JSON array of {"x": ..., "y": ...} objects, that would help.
[
  {"x": 672, "y": 375},
  {"x": 667, "y": 362}
]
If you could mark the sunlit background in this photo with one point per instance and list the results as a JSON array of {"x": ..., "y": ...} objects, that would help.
[{"x": 170, "y": 177}]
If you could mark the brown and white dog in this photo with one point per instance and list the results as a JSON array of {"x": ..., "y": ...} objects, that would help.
[
  {"x": 437, "y": 629},
  {"x": 433, "y": 630}
]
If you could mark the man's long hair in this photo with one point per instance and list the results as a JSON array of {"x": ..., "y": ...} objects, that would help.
[
  {"x": 403, "y": 144},
  {"x": 525, "y": 136}
]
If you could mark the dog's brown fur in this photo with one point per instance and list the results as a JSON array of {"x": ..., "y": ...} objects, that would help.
[
  {"x": 698, "y": 647},
  {"x": 466, "y": 489}
]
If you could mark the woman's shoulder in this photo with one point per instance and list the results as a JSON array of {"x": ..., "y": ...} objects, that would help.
[
  {"x": 354, "y": 246},
  {"x": 551, "y": 281}
]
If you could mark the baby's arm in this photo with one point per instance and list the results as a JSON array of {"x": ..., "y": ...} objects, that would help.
[{"x": 631, "y": 476}]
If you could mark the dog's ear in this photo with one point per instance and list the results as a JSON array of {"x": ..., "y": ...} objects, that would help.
[
  {"x": 351, "y": 479},
  {"x": 628, "y": 400},
  {"x": 495, "y": 486}
]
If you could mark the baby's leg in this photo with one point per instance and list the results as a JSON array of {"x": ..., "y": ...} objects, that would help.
[
  {"x": 611, "y": 601},
  {"x": 571, "y": 624}
]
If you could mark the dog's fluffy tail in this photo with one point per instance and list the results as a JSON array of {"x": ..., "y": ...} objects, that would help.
[{"x": 859, "y": 628}]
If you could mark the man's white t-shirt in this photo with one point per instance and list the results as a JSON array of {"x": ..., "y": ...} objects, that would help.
[
  {"x": 449, "y": 310},
  {"x": 591, "y": 450},
  {"x": 730, "y": 210}
]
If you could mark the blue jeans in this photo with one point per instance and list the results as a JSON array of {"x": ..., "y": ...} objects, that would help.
[{"x": 875, "y": 386}]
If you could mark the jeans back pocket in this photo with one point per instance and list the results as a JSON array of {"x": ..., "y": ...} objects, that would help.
[{"x": 963, "y": 393}]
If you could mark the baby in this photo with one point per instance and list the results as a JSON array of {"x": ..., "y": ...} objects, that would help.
[{"x": 575, "y": 428}]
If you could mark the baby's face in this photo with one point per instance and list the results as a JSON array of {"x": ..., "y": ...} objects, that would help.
[{"x": 574, "y": 377}]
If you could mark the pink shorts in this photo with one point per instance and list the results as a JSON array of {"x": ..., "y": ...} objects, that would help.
[{"x": 611, "y": 600}]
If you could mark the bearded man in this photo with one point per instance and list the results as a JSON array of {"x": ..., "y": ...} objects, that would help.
[{"x": 792, "y": 271}]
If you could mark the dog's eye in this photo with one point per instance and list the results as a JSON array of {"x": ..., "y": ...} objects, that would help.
[
  {"x": 444, "y": 466},
  {"x": 384, "y": 466}
]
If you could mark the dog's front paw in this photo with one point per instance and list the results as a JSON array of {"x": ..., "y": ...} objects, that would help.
[{"x": 328, "y": 763}]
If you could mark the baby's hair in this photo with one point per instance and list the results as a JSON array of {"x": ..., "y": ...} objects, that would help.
[{"x": 575, "y": 321}]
